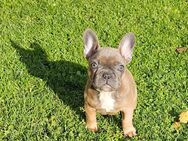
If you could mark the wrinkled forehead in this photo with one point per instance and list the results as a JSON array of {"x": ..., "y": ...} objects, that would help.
[{"x": 109, "y": 56}]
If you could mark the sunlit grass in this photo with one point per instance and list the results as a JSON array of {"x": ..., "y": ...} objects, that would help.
[{"x": 43, "y": 71}]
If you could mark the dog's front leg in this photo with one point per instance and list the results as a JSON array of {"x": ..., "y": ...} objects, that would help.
[
  {"x": 91, "y": 122},
  {"x": 127, "y": 124}
]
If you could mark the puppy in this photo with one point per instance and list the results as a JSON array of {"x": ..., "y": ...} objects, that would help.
[{"x": 110, "y": 87}]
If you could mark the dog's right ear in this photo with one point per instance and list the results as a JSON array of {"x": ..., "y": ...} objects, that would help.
[{"x": 90, "y": 43}]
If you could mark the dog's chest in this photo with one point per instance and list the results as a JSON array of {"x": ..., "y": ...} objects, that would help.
[{"x": 107, "y": 101}]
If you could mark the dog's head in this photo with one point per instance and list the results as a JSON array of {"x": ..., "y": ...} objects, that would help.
[{"x": 107, "y": 65}]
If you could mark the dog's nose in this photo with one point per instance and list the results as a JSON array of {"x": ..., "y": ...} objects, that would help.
[{"x": 107, "y": 76}]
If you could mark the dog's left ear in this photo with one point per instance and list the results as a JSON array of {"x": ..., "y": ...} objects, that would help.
[{"x": 126, "y": 46}]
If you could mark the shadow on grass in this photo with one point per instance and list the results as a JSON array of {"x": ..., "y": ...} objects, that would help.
[
  {"x": 174, "y": 114},
  {"x": 65, "y": 78}
]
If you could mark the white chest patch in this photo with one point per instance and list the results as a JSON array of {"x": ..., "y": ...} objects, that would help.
[{"x": 107, "y": 102}]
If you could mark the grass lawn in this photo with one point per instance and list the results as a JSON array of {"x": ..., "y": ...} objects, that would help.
[{"x": 43, "y": 71}]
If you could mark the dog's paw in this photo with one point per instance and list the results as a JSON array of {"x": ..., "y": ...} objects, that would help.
[
  {"x": 129, "y": 132},
  {"x": 92, "y": 128}
]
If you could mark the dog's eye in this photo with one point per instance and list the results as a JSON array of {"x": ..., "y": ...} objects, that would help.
[
  {"x": 121, "y": 67},
  {"x": 94, "y": 65}
]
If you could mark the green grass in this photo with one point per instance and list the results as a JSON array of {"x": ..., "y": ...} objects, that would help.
[{"x": 43, "y": 71}]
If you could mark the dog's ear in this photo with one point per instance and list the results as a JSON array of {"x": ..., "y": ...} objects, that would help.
[
  {"x": 90, "y": 43},
  {"x": 126, "y": 46}
]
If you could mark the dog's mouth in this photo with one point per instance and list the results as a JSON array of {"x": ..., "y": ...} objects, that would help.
[{"x": 106, "y": 87}]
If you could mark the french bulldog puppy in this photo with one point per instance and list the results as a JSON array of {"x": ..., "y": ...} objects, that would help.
[{"x": 110, "y": 87}]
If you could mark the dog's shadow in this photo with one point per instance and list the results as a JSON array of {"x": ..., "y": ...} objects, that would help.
[{"x": 66, "y": 79}]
